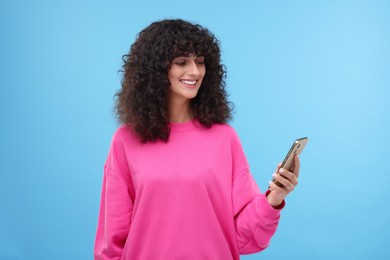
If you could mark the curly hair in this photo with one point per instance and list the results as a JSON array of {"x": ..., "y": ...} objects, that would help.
[{"x": 142, "y": 102}]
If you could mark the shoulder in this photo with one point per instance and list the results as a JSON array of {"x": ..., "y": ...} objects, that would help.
[
  {"x": 122, "y": 131},
  {"x": 225, "y": 129},
  {"x": 124, "y": 134},
  {"x": 230, "y": 135}
]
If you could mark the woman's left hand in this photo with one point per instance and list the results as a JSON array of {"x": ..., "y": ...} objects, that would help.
[{"x": 288, "y": 181}]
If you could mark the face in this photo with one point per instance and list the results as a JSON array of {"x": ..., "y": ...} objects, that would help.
[{"x": 186, "y": 75}]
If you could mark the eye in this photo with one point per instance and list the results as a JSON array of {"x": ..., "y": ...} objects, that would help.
[
  {"x": 180, "y": 62},
  {"x": 200, "y": 61}
]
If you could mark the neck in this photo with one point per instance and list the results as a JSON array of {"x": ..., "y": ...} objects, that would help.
[{"x": 180, "y": 112}]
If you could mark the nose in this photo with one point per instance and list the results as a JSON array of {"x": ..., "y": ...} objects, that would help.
[{"x": 193, "y": 69}]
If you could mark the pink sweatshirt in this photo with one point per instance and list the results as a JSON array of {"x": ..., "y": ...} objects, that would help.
[{"x": 190, "y": 198}]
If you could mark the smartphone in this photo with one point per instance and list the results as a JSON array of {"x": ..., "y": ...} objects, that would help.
[{"x": 296, "y": 148}]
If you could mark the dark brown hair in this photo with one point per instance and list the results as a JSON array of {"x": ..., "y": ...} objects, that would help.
[{"x": 142, "y": 102}]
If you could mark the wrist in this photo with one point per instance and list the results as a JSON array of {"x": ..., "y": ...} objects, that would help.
[{"x": 273, "y": 200}]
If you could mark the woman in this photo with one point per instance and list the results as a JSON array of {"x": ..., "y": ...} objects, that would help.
[{"x": 176, "y": 181}]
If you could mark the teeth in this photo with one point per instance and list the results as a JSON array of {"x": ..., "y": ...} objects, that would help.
[{"x": 189, "y": 82}]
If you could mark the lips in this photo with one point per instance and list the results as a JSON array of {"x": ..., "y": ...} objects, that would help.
[{"x": 189, "y": 83}]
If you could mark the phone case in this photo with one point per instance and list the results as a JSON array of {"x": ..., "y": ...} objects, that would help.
[{"x": 296, "y": 148}]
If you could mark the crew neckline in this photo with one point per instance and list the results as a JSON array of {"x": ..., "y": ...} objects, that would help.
[{"x": 184, "y": 126}]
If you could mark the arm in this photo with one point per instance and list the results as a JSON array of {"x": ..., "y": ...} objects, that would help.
[
  {"x": 256, "y": 220},
  {"x": 116, "y": 205}
]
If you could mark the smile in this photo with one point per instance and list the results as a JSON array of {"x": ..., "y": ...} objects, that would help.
[{"x": 188, "y": 82}]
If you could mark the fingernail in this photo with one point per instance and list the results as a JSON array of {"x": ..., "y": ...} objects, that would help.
[
  {"x": 274, "y": 175},
  {"x": 281, "y": 170},
  {"x": 270, "y": 182}
]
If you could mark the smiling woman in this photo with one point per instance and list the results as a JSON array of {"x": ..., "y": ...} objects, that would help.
[{"x": 176, "y": 180}]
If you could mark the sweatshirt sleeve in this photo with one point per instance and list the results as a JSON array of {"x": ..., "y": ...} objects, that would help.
[
  {"x": 116, "y": 204},
  {"x": 256, "y": 220}
]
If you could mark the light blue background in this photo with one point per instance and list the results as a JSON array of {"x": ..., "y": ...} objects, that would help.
[{"x": 295, "y": 68}]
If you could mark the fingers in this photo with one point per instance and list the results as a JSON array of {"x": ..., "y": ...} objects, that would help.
[
  {"x": 286, "y": 178},
  {"x": 289, "y": 176},
  {"x": 283, "y": 182},
  {"x": 274, "y": 187},
  {"x": 277, "y": 170}
]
